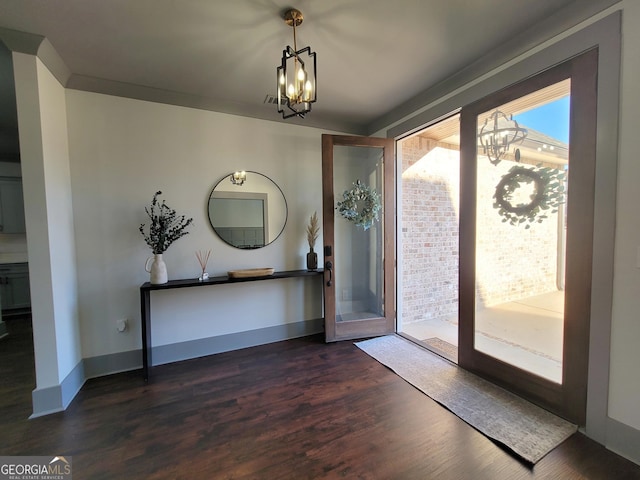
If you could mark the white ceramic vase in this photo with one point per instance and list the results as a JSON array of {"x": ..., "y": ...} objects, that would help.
[{"x": 158, "y": 269}]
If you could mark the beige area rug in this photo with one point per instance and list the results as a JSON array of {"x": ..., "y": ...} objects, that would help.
[{"x": 527, "y": 430}]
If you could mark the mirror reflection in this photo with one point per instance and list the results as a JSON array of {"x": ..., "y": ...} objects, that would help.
[{"x": 247, "y": 210}]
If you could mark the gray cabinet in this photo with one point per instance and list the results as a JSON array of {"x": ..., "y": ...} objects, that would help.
[
  {"x": 14, "y": 286},
  {"x": 11, "y": 205}
]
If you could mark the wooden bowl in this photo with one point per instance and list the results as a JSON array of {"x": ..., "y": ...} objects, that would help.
[{"x": 250, "y": 273}]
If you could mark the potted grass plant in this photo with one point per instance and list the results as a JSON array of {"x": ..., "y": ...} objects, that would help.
[{"x": 313, "y": 230}]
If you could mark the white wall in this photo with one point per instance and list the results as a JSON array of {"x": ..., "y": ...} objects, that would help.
[
  {"x": 59, "y": 219},
  {"x": 624, "y": 387},
  {"x": 122, "y": 151},
  {"x": 49, "y": 220}
]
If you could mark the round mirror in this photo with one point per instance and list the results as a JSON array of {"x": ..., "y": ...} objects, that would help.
[{"x": 247, "y": 210}]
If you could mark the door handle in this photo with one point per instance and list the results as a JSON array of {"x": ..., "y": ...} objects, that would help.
[{"x": 329, "y": 267}]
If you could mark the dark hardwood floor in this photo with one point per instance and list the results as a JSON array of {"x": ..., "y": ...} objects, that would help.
[
  {"x": 17, "y": 370},
  {"x": 298, "y": 409}
]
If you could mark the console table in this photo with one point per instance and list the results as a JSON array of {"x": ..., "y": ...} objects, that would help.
[{"x": 145, "y": 301}]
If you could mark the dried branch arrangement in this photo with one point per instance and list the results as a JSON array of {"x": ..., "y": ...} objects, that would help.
[
  {"x": 165, "y": 226},
  {"x": 313, "y": 230},
  {"x": 203, "y": 259}
]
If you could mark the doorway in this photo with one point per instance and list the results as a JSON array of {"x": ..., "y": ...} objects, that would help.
[
  {"x": 429, "y": 230},
  {"x": 17, "y": 359}
]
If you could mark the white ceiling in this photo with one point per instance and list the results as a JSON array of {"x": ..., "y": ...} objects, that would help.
[{"x": 372, "y": 56}]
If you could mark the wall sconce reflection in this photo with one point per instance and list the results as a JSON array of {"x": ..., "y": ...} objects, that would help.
[{"x": 238, "y": 178}]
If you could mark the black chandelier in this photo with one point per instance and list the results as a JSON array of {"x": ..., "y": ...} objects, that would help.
[
  {"x": 498, "y": 133},
  {"x": 296, "y": 75}
]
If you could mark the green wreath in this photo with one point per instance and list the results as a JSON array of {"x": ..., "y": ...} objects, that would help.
[
  {"x": 548, "y": 195},
  {"x": 360, "y": 205}
]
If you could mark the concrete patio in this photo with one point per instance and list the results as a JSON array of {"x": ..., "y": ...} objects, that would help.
[{"x": 526, "y": 333}]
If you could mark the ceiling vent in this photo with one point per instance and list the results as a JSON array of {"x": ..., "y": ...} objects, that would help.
[{"x": 273, "y": 100}]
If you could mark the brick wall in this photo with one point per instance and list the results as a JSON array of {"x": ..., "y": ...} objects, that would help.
[{"x": 512, "y": 262}]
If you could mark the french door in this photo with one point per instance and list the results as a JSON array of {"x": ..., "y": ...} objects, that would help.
[
  {"x": 526, "y": 229},
  {"x": 358, "y": 230}
]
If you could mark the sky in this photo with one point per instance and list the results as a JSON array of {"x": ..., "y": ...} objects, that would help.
[{"x": 551, "y": 119}]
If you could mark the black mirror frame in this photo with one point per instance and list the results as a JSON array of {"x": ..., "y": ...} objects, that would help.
[{"x": 226, "y": 178}]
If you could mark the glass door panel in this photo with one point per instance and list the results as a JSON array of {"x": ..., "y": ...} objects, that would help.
[
  {"x": 358, "y": 222},
  {"x": 522, "y": 166},
  {"x": 359, "y": 254}
]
